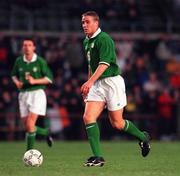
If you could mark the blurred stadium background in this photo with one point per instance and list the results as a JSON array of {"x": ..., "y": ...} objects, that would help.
[{"x": 147, "y": 39}]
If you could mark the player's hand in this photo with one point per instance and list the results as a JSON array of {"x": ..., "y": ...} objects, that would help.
[
  {"x": 19, "y": 84},
  {"x": 31, "y": 80},
  {"x": 85, "y": 88}
]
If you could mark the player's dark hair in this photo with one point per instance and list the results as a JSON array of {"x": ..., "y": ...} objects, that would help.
[
  {"x": 93, "y": 14},
  {"x": 30, "y": 39}
]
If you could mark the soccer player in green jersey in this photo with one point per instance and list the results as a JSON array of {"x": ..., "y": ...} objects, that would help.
[
  {"x": 104, "y": 88},
  {"x": 31, "y": 74}
]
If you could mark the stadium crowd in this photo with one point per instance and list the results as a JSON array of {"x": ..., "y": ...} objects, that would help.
[
  {"x": 121, "y": 15},
  {"x": 150, "y": 67}
]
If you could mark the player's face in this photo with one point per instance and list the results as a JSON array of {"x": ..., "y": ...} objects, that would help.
[
  {"x": 28, "y": 47},
  {"x": 90, "y": 25}
]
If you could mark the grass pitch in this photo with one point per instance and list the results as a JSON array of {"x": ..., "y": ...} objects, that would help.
[{"x": 66, "y": 159}]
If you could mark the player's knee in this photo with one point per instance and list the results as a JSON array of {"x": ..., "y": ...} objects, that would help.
[{"x": 88, "y": 118}]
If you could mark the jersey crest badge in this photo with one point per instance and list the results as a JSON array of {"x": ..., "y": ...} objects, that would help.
[
  {"x": 20, "y": 69},
  {"x": 35, "y": 69},
  {"x": 92, "y": 45}
]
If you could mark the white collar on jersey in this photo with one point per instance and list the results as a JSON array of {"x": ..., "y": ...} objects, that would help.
[
  {"x": 95, "y": 34},
  {"x": 32, "y": 60}
]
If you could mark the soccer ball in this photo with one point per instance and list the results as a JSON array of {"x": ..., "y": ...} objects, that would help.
[{"x": 33, "y": 158}]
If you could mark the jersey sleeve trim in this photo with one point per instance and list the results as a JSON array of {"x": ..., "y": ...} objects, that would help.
[
  {"x": 14, "y": 78},
  {"x": 49, "y": 79},
  {"x": 104, "y": 63}
]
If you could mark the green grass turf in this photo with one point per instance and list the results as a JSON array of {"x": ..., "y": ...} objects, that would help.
[{"x": 66, "y": 159}]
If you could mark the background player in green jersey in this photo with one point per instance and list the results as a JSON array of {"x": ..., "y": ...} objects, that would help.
[
  {"x": 31, "y": 74},
  {"x": 104, "y": 88}
]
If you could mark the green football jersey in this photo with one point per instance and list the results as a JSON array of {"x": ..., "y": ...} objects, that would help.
[
  {"x": 100, "y": 49},
  {"x": 37, "y": 69}
]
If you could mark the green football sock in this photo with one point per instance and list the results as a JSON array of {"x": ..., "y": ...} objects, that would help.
[
  {"x": 30, "y": 138},
  {"x": 42, "y": 131},
  {"x": 130, "y": 128},
  {"x": 94, "y": 138}
]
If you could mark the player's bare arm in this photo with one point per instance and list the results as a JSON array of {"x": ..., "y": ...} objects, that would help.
[
  {"x": 17, "y": 82},
  {"x": 42, "y": 81},
  {"x": 88, "y": 84}
]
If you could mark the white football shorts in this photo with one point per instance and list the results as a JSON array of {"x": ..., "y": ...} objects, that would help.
[
  {"x": 32, "y": 101},
  {"x": 110, "y": 90}
]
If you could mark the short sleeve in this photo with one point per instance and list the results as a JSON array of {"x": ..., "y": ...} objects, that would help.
[
  {"x": 14, "y": 71},
  {"x": 106, "y": 50},
  {"x": 47, "y": 71}
]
